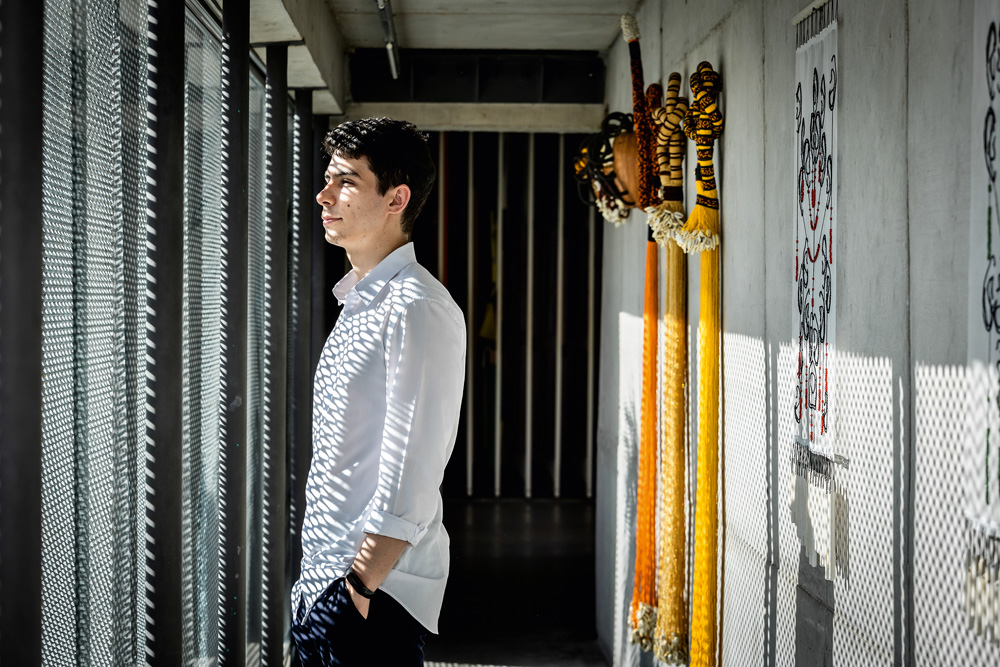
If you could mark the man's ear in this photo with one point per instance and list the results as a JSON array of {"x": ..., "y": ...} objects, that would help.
[{"x": 400, "y": 198}]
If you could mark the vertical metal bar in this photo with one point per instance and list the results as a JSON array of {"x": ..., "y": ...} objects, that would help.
[
  {"x": 497, "y": 423},
  {"x": 275, "y": 374},
  {"x": 442, "y": 208},
  {"x": 529, "y": 316},
  {"x": 232, "y": 455},
  {"x": 21, "y": 332},
  {"x": 300, "y": 401},
  {"x": 591, "y": 280},
  {"x": 560, "y": 260},
  {"x": 164, "y": 333},
  {"x": 470, "y": 250}
]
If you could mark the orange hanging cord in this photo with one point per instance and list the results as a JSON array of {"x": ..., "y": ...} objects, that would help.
[{"x": 642, "y": 614}]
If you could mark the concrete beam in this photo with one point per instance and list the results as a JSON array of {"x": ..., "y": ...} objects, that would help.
[
  {"x": 560, "y": 118},
  {"x": 302, "y": 70},
  {"x": 321, "y": 61}
]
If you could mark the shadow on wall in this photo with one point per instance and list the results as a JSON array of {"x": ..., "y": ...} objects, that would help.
[
  {"x": 905, "y": 598},
  {"x": 886, "y": 608}
]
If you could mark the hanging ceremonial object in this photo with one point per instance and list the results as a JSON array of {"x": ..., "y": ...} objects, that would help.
[
  {"x": 670, "y": 638},
  {"x": 982, "y": 446},
  {"x": 703, "y": 124},
  {"x": 606, "y": 168},
  {"x": 642, "y": 614},
  {"x": 818, "y": 506},
  {"x": 668, "y": 216}
]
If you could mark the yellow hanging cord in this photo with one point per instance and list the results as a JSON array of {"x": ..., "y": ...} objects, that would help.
[{"x": 701, "y": 234}]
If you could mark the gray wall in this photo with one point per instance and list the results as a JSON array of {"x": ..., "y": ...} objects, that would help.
[{"x": 904, "y": 137}]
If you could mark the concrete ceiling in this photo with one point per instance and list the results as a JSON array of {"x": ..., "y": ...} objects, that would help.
[
  {"x": 572, "y": 25},
  {"x": 322, "y": 32}
]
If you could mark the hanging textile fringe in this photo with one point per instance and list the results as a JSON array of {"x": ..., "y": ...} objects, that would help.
[
  {"x": 819, "y": 510},
  {"x": 643, "y": 609},
  {"x": 670, "y": 640},
  {"x": 703, "y": 124},
  {"x": 670, "y": 637},
  {"x": 642, "y": 614},
  {"x": 666, "y": 218}
]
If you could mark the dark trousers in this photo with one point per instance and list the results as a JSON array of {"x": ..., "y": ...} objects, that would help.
[{"x": 335, "y": 633}]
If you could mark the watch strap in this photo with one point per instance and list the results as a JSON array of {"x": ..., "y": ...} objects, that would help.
[{"x": 355, "y": 581}]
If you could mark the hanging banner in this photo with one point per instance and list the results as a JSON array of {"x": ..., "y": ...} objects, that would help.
[
  {"x": 982, "y": 446},
  {"x": 815, "y": 222},
  {"x": 818, "y": 509}
]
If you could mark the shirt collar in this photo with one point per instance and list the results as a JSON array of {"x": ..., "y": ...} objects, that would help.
[{"x": 369, "y": 287}]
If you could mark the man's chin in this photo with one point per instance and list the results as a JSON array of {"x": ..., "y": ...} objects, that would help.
[{"x": 332, "y": 239}]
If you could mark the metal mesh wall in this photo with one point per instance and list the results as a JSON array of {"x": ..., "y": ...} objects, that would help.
[
  {"x": 202, "y": 332},
  {"x": 94, "y": 162},
  {"x": 99, "y": 326}
]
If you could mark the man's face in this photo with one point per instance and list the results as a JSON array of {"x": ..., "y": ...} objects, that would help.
[{"x": 354, "y": 213}]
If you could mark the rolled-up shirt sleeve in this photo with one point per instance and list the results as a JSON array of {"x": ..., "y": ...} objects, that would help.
[{"x": 425, "y": 375}]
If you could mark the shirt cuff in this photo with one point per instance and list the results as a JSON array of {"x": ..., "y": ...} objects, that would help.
[{"x": 390, "y": 525}]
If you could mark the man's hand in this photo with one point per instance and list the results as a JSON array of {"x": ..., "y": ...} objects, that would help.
[
  {"x": 377, "y": 556},
  {"x": 360, "y": 603}
]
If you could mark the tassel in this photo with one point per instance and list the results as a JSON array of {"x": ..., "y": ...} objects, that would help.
[
  {"x": 703, "y": 618},
  {"x": 643, "y": 608},
  {"x": 671, "y": 637},
  {"x": 701, "y": 233}
]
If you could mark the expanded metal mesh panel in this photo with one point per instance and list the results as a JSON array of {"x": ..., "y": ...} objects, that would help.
[
  {"x": 256, "y": 364},
  {"x": 202, "y": 333},
  {"x": 292, "y": 322},
  {"x": 93, "y": 161}
]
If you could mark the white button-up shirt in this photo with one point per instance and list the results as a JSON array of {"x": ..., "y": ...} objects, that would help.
[{"x": 386, "y": 401}]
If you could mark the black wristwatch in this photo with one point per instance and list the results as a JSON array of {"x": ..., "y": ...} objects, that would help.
[{"x": 355, "y": 581}]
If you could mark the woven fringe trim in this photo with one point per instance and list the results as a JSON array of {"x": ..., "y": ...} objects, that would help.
[
  {"x": 665, "y": 220},
  {"x": 642, "y": 633},
  {"x": 698, "y": 241},
  {"x": 673, "y": 651},
  {"x": 982, "y": 580},
  {"x": 826, "y": 486},
  {"x": 817, "y": 468}
]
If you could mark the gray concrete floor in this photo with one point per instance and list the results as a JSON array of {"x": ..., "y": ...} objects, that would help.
[{"x": 521, "y": 588}]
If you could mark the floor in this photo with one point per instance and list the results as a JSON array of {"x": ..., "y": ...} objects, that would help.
[{"x": 521, "y": 588}]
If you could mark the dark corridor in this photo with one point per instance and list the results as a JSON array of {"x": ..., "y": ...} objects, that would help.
[{"x": 521, "y": 589}]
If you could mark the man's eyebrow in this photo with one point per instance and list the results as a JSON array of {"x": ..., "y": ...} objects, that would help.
[{"x": 340, "y": 174}]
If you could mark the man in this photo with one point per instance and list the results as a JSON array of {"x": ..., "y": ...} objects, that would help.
[{"x": 386, "y": 400}]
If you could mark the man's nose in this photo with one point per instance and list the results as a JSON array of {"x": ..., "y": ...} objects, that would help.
[{"x": 324, "y": 195}]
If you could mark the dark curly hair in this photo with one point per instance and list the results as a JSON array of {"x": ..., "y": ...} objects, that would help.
[{"x": 396, "y": 152}]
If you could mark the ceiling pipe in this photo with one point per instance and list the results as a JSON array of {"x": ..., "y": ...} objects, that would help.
[{"x": 389, "y": 31}]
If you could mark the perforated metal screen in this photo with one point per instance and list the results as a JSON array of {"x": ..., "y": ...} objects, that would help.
[
  {"x": 257, "y": 402},
  {"x": 202, "y": 332},
  {"x": 108, "y": 313},
  {"x": 93, "y": 228}
]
